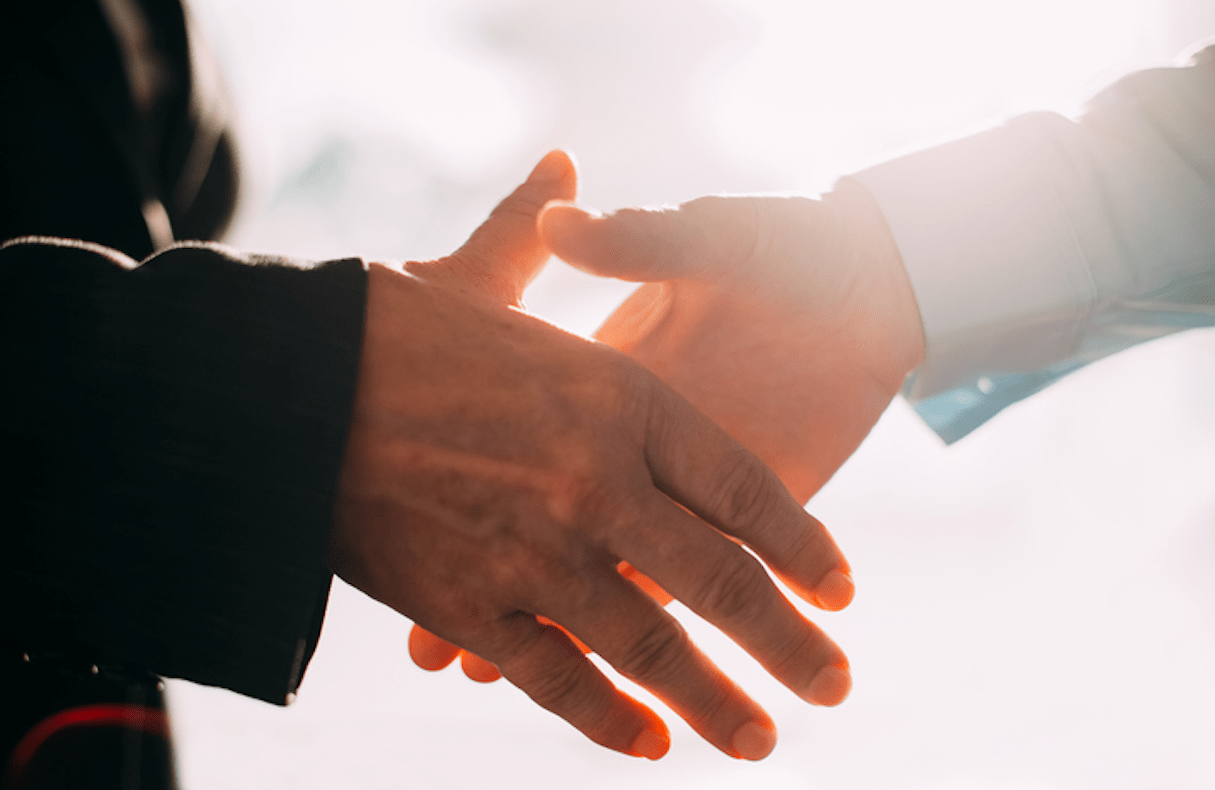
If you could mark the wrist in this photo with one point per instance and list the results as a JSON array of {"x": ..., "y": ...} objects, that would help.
[{"x": 886, "y": 302}]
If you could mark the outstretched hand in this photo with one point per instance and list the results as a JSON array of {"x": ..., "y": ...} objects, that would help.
[
  {"x": 789, "y": 322},
  {"x": 498, "y": 470}
]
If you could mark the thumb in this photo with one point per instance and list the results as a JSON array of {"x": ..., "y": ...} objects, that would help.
[
  {"x": 703, "y": 237},
  {"x": 505, "y": 253}
]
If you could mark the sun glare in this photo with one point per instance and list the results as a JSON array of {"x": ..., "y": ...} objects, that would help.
[{"x": 847, "y": 82}]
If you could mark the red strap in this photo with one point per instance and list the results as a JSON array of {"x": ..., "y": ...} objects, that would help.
[{"x": 135, "y": 717}]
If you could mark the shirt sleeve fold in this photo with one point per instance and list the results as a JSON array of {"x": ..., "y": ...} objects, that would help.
[{"x": 1046, "y": 244}]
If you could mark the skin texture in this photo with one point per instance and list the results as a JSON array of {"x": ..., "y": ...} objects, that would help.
[{"x": 499, "y": 470}]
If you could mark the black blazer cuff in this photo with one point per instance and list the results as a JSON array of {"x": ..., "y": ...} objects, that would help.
[{"x": 178, "y": 427}]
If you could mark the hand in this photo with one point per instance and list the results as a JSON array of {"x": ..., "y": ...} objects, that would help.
[
  {"x": 498, "y": 469},
  {"x": 497, "y": 263},
  {"x": 789, "y": 322}
]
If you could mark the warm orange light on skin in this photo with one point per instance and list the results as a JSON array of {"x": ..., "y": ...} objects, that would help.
[
  {"x": 835, "y": 591},
  {"x": 754, "y": 741},
  {"x": 470, "y": 276},
  {"x": 831, "y": 685},
  {"x": 478, "y": 669},
  {"x": 648, "y": 585},
  {"x": 429, "y": 651},
  {"x": 790, "y": 542},
  {"x": 433, "y": 653},
  {"x": 825, "y": 89},
  {"x": 761, "y": 312}
]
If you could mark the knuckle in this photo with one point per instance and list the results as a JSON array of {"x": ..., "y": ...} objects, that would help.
[
  {"x": 561, "y": 688},
  {"x": 540, "y": 571},
  {"x": 735, "y": 589},
  {"x": 792, "y": 663},
  {"x": 658, "y": 656},
  {"x": 748, "y": 495},
  {"x": 710, "y": 704},
  {"x": 799, "y": 551},
  {"x": 500, "y": 641},
  {"x": 621, "y": 389},
  {"x": 575, "y": 491},
  {"x": 587, "y": 503}
]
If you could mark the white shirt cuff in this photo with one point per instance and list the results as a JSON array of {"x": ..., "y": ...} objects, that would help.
[{"x": 1001, "y": 282}]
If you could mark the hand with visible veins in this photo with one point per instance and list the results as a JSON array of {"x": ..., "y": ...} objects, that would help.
[
  {"x": 499, "y": 470},
  {"x": 789, "y": 322},
  {"x": 497, "y": 263}
]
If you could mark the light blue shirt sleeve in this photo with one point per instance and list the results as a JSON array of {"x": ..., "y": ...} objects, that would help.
[{"x": 1038, "y": 247}]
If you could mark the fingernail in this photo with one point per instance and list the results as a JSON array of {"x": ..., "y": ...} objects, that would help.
[
  {"x": 835, "y": 591},
  {"x": 553, "y": 167},
  {"x": 830, "y": 686},
  {"x": 651, "y": 745},
  {"x": 752, "y": 741}
]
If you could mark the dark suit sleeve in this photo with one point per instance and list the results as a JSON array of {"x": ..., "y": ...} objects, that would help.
[{"x": 174, "y": 433}]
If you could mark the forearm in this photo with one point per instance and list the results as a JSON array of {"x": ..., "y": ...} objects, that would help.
[{"x": 178, "y": 430}]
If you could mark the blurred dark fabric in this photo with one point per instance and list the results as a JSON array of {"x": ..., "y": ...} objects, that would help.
[
  {"x": 173, "y": 434},
  {"x": 80, "y": 158},
  {"x": 69, "y": 724},
  {"x": 172, "y": 431}
]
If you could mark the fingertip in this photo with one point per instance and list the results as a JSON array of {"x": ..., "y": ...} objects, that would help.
[
  {"x": 654, "y": 740},
  {"x": 651, "y": 745},
  {"x": 570, "y": 232},
  {"x": 563, "y": 681},
  {"x": 835, "y": 591},
  {"x": 754, "y": 740},
  {"x": 556, "y": 165},
  {"x": 830, "y": 686},
  {"x": 478, "y": 669},
  {"x": 429, "y": 651}
]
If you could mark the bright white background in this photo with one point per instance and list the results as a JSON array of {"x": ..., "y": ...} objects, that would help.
[{"x": 1036, "y": 604}]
